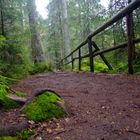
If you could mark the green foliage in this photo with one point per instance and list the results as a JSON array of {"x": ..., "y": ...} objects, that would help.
[
  {"x": 6, "y": 103},
  {"x": 68, "y": 67},
  {"x": 8, "y": 138},
  {"x": 137, "y": 66},
  {"x": 85, "y": 65},
  {"x": 11, "y": 58},
  {"x": 43, "y": 108},
  {"x": 121, "y": 67},
  {"x": 24, "y": 135},
  {"x": 2, "y": 39},
  {"x": 98, "y": 66},
  {"x": 20, "y": 94},
  {"x": 39, "y": 68},
  {"x": 7, "y": 81},
  {"x": 3, "y": 91},
  {"x": 3, "y": 88}
]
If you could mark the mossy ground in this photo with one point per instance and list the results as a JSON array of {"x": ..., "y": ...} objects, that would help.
[
  {"x": 24, "y": 135},
  {"x": 43, "y": 108},
  {"x": 6, "y": 103},
  {"x": 8, "y": 138}
]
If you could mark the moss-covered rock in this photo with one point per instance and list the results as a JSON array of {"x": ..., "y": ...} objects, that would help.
[{"x": 43, "y": 108}]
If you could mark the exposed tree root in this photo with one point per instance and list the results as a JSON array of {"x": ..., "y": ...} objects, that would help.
[
  {"x": 12, "y": 129},
  {"x": 17, "y": 99},
  {"x": 40, "y": 92}
]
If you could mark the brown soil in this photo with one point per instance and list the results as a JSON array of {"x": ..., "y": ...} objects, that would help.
[{"x": 104, "y": 107}]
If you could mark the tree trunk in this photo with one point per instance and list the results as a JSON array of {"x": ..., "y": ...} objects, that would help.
[
  {"x": 37, "y": 53},
  {"x": 66, "y": 28},
  {"x": 2, "y": 18}
]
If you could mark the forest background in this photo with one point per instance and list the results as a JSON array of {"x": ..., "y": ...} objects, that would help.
[{"x": 30, "y": 44}]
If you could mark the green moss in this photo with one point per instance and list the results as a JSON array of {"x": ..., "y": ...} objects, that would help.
[
  {"x": 6, "y": 80},
  {"x": 8, "y": 138},
  {"x": 20, "y": 94},
  {"x": 39, "y": 68},
  {"x": 119, "y": 68},
  {"x": 8, "y": 104},
  {"x": 24, "y": 135},
  {"x": 43, "y": 108},
  {"x": 98, "y": 66}
]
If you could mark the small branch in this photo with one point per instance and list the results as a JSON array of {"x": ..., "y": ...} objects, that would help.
[{"x": 130, "y": 131}]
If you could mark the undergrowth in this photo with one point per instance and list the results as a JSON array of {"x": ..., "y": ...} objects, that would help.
[
  {"x": 23, "y": 135},
  {"x": 6, "y": 103},
  {"x": 43, "y": 108},
  {"x": 98, "y": 66},
  {"x": 39, "y": 68},
  {"x": 20, "y": 94}
]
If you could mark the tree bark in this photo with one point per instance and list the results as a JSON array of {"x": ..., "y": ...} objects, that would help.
[
  {"x": 37, "y": 53},
  {"x": 66, "y": 27},
  {"x": 2, "y": 18}
]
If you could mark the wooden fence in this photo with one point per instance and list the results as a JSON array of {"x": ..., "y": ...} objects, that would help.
[{"x": 94, "y": 49}]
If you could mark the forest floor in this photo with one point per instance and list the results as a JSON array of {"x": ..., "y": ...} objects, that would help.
[{"x": 103, "y": 106}]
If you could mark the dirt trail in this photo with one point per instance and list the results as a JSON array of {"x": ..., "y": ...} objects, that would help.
[{"x": 105, "y": 107}]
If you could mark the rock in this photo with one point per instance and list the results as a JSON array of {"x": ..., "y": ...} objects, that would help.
[
  {"x": 57, "y": 138},
  {"x": 38, "y": 138},
  {"x": 31, "y": 122}
]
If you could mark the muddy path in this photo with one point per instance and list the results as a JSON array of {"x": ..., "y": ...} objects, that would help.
[{"x": 104, "y": 107}]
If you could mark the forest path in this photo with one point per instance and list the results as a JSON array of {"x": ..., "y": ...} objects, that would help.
[{"x": 105, "y": 107}]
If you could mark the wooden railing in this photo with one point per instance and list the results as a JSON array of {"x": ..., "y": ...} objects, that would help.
[{"x": 94, "y": 49}]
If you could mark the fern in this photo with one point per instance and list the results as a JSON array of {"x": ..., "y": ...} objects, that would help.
[
  {"x": 3, "y": 91},
  {"x": 4, "y": 82}
]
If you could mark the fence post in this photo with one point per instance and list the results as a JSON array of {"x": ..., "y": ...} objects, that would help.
[
  {"x": 61, "y": 65},
  {"x": 102, "y": 56},
  {"x": 130, "y": 35},
  {"x": 79, "y": 59},
  {"x": 72, "y": 61},
  {"x": 91, "y": 55}
]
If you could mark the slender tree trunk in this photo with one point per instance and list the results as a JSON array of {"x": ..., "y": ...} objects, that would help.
[
  {"x": 2, "y": 18},
  {"x": 37, "y": 53},
  {"x": 22, "y": 14},
  {"x": 66, "y": 28}
]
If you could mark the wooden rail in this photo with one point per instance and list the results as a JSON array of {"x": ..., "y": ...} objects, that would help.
[{"x": 94, "y": 49}]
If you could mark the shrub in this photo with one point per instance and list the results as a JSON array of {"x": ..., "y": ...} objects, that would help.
[
  {"x": 24, "y": 135},
  {"x": 98, "y": 66},
  {"x": 6, "y": 103},
  {"x": 39, "y": 68}
]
